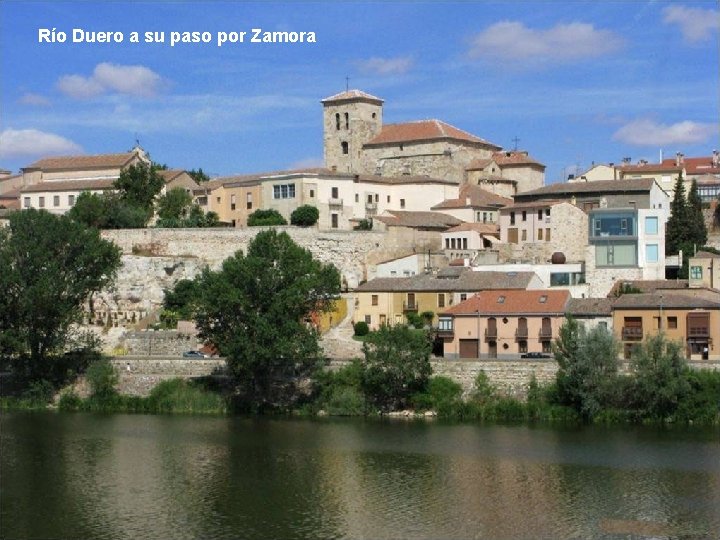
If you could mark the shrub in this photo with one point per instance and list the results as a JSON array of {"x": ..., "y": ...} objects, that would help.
[
  {"x": 305, "y": 216},
  {"x": 483, "y": 390},
  {"x": 364, "y": 225},
  {"x": 102, "y": 378},
  {"x": 263, "y": 218},
  {"x": 441, "y": 393},
  {"x": 361, "y": 328},
  {"x": 427, "y": 317},
  {"x": 345, "y": 401},
  {"x": 415, "y": 320}
]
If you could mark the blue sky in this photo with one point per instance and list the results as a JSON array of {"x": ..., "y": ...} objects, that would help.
[{"x": 576, "y": 82}]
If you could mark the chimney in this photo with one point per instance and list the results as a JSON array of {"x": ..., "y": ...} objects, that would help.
[
  {"x": 571, "y": 177},
  {"x": 678, "y": 159},
  {"x": 626, "y": 160}
]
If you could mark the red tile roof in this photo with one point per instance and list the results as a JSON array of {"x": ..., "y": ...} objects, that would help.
[
  {"x": 424, "y": 130},
  {"x": 650, "y": 168},
  {"x": 695, "y": 165},
  {"x": 83, "y": 162},
  {"x": 69, "y": 185},
  {"x": 479, "y": 198},
  {"x": 352, "y": 95},
  {"x": 482, "y": 228},
  {"x": 512, "y": 302},
  {"x": 422, "y": 220},
  {"x": 508, "y": 158}
]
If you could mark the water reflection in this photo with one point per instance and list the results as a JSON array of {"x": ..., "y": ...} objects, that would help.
[{"x": 92, "y": 476}]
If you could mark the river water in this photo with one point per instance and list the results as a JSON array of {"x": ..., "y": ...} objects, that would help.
[{"x": 135, "y": 476}]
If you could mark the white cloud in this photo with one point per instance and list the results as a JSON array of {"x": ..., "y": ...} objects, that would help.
[
  {"x": 386, "y": 66},
  {"x": 29, "y": 142},
  {"x": 696, "y": 24},
  {"x": 34, "y": 99},
  {"x": 112, "y": 78},
  {"x": 514, "y": 44},
  {"x": 646, "y": 132}
]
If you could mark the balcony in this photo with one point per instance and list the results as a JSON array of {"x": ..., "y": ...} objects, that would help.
[
  {"x": 698, "y": 332},
  {"x": 545, "y": 333},
  {"x": 632, "y": 333},
  {"x": 410, "y": 306},
  {"x": 521, "y": 334},
  {"x": 491, "y": 334},
  {"x": 371, "y": 206},
  {"x": 335, "y": 202}
]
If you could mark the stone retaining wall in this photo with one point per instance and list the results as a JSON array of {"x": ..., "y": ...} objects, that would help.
[
  {"x": 139, "y": 375},
  {"x": 159, "y": 343}
]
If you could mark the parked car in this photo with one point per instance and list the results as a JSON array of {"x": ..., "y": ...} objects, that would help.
[
  {"x": 193, "y": 354},
  {"x": 535, "y": 355}
]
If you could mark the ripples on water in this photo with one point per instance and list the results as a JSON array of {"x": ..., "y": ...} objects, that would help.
[{"x": 88, "y": 476}]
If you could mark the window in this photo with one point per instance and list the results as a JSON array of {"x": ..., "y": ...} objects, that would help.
[
  {"x": 547, "y": 212},
  {"x": 485, "y": 217},
  {"x": 464, "y": 241},
  {"x": 368, "y": 319},
  {"x": 334, "y": 192},
  {"x": 217, "y": 199},
  {"x": 26, "y": 202},
  {"x": 546, "y": 347},
  {"x": 347, "y": 121},
  {"x": 374, "y": 299},
  {"x": 334, "y": 221},
  {"x": 540, "y": 215},
  {"x": 463, "y": 297},
  {"x": 377, "y": 197},
  {"x": 71, "y": 200},
  {"x": 232, "y": 202},
  {"x": 41, "y": 202},
  {"x": 547, "y": 235},
  {"x": 512, "y": 218},
  {"x": 501, "y": 299},
  {"x": 651, "y": 225},
  {"x": 651, "y": 253},
  {"x": 56, "y": 200},
  {"x": 388, "y": 199},
  {"x": 672, "y": 322},
  {"x": 441, "y": 300},
  {"x": 447, "y": 243},
  {"x": 614, "y": 224},
  {"x": 524, "y": 215},
  {"x": 543, "y": 299},
  {"x": 337, "y": 121},
  {"x": 452, "y": 243},
  {"x": 248, "y": 199},
  {"x": 616, "y": 254},
  {"x": 696, "y": 272},
  {"x": 603, "y": 324},
  {"x": 559, "y": 279},
  {"x": 523, "y": 235},
  {"x": 540, "y": 234},
  {"x": 312, "y": 193},
  {"x": 357, "y": 197},
  {"x": 284, "y": 191},
  {"x": 522, "y": 346},
  {"x": 445, "y": 323},
  {"x": 402, "y": 203},
  {"x": 345, "y": 147}
]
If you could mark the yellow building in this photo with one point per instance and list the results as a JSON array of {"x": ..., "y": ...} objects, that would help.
[
  {"x": 232, "y": 198},
  {"x": 694, "y": 322}
]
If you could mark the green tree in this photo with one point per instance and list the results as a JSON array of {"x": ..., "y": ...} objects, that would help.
[
  {"x": 397, "y": 366},
  {"x": 676, "y": 232},
  {"x": 254, "y": 311},
  {"x": 139, "y": 185},
  {"x": 50, "y": 265},
  {"x": 305, "y": 216},
  {"x": 199, "y": 176},
  {"x": 264, "y": 218},
  {"x": 587, "y": 367},
  {"x": 181, "y": 299},
  {"x": 660, "y": 381},
  {"x": 697, "y": 233},
  {"x": 89, "y": 209},
  {"x": 175, "y": 204}
]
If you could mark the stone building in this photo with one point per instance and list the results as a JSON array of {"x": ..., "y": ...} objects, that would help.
[{"x": 356, "y": 141}]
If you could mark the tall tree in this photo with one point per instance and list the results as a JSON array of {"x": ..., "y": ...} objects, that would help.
[
  {"x": 254, "y": 311},
  {"x": 199, "y": 176},
  {"x": 139, "y": 185},
  {"x": 50, "y": 265},
  {"x": 676, "y": 233},
  {"x": 175, "y": 204},
  {"x": 697, "y": 233}
]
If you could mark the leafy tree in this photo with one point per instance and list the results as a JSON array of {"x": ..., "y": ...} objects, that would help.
[
  {"x": 175, "y": 204},
  {"x": 139, "y": 185},
  {"x": 181, "y": 298},
  {"x": 260, "y": 218},
  {"x": 254, "y": 310},
  {"x": 364, "y": 225},
  {"x": 397, "y": 365},
  {"x": 361, "y": 328},
  {"x": 676, "y": 235},
  {"x": 89, "y": 209},
  {"x": 587, "y": 367},
  {"x": 660, "y": 382},
  {"x": 697, "y": 232},
  {"x": 305, "y": 216},
  {"x": 50, "y": 265},
  {"x": 199, "y": 176}
]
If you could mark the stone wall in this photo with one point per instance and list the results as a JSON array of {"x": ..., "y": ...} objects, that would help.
[
  {"x": 138, "y": 376},
  {"x": 159, "y": 343}
]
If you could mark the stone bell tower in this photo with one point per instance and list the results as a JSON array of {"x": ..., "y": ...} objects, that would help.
[{"x": 350, "y": 119}]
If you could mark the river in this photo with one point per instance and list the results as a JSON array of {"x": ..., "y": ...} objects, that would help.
[{"x": 81, "y": 475}]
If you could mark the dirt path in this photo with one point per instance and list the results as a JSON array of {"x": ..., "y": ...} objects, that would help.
[{"x": 338, "y": 341}]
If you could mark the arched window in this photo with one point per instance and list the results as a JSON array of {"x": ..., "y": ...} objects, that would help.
[
  {"x": 337, "y": 120},
  {"x": 345, "y": 147}
]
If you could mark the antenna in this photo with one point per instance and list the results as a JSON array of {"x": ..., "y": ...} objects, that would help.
[
  {"x": 347, "y": 84},
  {"x": 137, "y": 140},
  {"x": 516, "y": 141}
]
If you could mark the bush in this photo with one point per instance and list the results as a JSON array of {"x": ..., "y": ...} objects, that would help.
[
  {"x": 361, "y": 328},
  {"x": 415, "y": 320},
  {"x": 483, "y": 391},
  {"x": 305, "y": 216},
  {"x": 364, "y": 225},
  {"x": 441, "y": 393},
  {"x": 345, "y": 401},
  {"x": 102, "y": 378},
  {"x": 265, "y": 218}
]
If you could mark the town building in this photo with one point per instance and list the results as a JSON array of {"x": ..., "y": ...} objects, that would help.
[
  {"x": 506, "y": 173},
  {"x": 591, "y": 312},
  {"x": 569, "y": 276},
  {"x": 474, "y": 204},
  {"x": 704, "y": 270},
  {"x": 694, "y": 322},
  {"x": 503, "y": 324},
  {"x": 466, "y": 240}
]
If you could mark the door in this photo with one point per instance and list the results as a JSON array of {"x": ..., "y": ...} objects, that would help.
[
  {"x": 469, "y": 348},
  {"x": 512, "y": 236},
  {"x": 383, "y": 320}
]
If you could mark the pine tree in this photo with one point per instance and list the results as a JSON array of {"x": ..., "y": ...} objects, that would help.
[
  {"x": 697, "y": 234},
  {"x": 676, "y": 235}
]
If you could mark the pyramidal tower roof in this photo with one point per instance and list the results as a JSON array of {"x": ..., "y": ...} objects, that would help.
[{"x": 353, "y": 95}]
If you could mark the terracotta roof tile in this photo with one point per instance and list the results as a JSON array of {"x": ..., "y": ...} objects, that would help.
[
  {"x": 705, "y": 255},
  {"x": 352, "y": 95},
  {"x": 599, "y": 186},
  {"x": 424, "y": 130},
  {"x": 482, "y": 228},
  {"x": 532, "y": 204},
  {"x": 83, "y": 162},
  {"x": 405, "y": 179},
  {"x": 649, "y": 285},
  {"x": 479, "y": 198},
  {"x": 477, "y": 164},
  {"x": 580, "y": 307},
  {"x": 696, "y": 165},
  {"x": 507, "y": 158},
  {"x": 650, "y": 167},
  {"x": 655, "y": 300},
  {"x": 464, "y": 281},
  {"x": 509, "y": 302},
  {"x": 426, "y": 220}
]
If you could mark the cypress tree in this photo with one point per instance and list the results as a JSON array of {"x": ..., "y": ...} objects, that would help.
[
  {"x": 697, "y": 233},
  {"x": 676, "y": 233}
]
